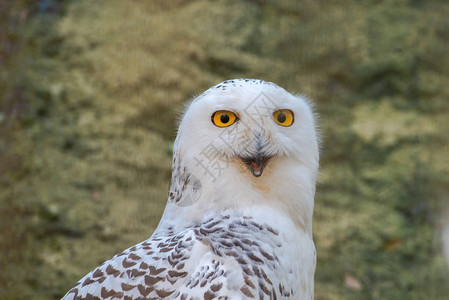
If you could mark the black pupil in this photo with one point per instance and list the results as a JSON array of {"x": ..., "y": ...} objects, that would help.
[
  {"x": 282, "y": 118},
  {"x": 224, "y": 118}
]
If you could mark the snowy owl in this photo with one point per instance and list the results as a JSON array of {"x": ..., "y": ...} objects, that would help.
[{"x": 238, "y": 222}]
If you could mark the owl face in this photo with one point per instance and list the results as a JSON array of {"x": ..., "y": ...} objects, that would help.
[
  {"x": 244, "y": 144},
  {"x": 248, "y": 124}
]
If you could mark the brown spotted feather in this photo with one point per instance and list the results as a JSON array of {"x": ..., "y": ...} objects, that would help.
[{"x": 193, "y": 264}]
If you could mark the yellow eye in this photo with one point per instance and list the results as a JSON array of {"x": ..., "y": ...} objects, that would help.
[
  {"x": 223, "y": 118},
  {"x": 284, "y": 117}
]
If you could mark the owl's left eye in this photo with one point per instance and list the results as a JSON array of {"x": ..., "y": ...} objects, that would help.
[
  {"x": 284, "y": 117},
  {"x": 223, "y": 118}
]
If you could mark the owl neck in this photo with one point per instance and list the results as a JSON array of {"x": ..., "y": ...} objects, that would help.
[{"x": 286, "y": 188}]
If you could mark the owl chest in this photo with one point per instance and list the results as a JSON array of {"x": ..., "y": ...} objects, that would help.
[{"x": 269, "y": 264}]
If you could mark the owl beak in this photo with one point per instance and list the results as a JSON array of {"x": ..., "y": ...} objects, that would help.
[{"x": 256, "y": 164}]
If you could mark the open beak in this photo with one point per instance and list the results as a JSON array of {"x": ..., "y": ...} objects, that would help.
[{"x": 256, "y": 164}]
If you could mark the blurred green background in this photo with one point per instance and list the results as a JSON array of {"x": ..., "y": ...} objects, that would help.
[{"x": 89, "y": 96}]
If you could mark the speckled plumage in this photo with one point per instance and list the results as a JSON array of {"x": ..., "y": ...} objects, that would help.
[{"x": 227, "y": 234}]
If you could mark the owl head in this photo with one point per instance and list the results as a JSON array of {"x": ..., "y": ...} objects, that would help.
[{"x": 246, "y": 143}]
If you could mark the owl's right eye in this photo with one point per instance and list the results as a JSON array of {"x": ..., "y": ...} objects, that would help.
[{"x": 223, "y": 118}]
